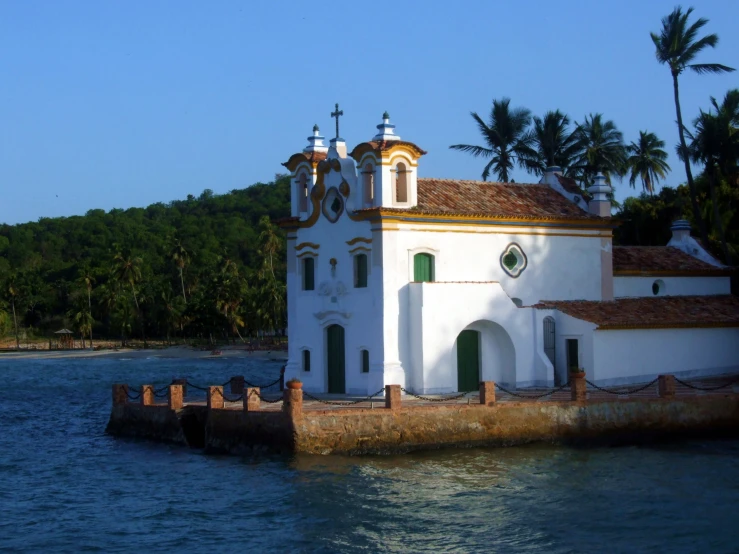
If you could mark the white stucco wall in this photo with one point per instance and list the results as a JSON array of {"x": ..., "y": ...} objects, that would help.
[
  {"x": 642, "y": 354},
  {"x": 673, "y": 286}
]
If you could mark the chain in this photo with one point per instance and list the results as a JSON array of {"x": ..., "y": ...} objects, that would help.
[
  {"x": 226, "y": 398},
  {"x": 429, "y": 399},
  {"x": 695, "y": 387},
  {"x": 266, "y": 400},
  {"x": 344, "y": 403},
  {"x": 532, "y": 396},
  {"x": 133, "y": 396},
  {"x": 622, "y": 392},
  {"x": 204, "y": 389}
]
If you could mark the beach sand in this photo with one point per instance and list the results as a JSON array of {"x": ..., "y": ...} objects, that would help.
[{"x": 165, "y": 353}]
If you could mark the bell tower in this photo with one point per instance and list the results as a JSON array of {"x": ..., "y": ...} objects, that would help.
[{"x": 388, "y": 169}]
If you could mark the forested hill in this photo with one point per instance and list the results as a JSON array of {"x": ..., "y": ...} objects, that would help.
[{"x": 215, "y": 247}]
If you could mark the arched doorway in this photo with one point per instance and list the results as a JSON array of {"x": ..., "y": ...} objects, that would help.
[
  {"x": 484, "y": 352},
  {"x": 335, "y": 358},
  {"x": 468, "y": 361}
]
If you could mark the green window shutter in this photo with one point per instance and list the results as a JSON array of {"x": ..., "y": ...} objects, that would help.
[
  {"x": 306, "y": 360},
  {"x": 361, "y": 269},
  {"x": 365, "y": 361},
  {"x": 423, "y": 268},
  {"x": 308, "y": 274}
]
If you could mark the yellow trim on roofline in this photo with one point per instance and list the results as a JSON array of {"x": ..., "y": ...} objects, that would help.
[
  {"x": 661, "y": 326},
  {"x": 673, "y": 273}
]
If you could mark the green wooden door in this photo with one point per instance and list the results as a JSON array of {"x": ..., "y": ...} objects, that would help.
[
  {"x": 423, "y": 268},
  {"x": 468, "y": 361},
  {"x": 335, "y": 357}
]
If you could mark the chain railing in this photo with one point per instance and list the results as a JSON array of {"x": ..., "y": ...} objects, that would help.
[
  {"x": 729, "y": 383},
  {"x": 440, "y": 399},
  {"x": 267, "y": 400},
  {"x": 344, "y": 402},
  {"x": 532, "y": 396},
  {"x": 228, "y": 399},
  {"x": 626, "y": 392}
]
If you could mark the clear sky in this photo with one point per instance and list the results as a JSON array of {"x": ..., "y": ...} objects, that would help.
[{"x": 119, "y": 104}]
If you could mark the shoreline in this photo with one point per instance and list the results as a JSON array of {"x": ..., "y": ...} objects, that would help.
[{"x": 172, "y": 352}]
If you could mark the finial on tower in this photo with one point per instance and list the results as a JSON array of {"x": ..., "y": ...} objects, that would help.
[
  {"x": 385, "y": 129},
  {"x": 337, "y": 113},
  {"x": 315, "y": 142}
]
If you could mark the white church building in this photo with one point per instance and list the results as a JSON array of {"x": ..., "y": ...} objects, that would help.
[{"x": 438, "y": 284}]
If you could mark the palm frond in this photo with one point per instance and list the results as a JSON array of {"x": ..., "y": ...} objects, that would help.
[{"x": 702, "y": 68}]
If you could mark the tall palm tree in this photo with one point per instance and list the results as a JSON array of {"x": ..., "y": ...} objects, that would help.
[
  {"x": 506, "y": 138},
  {"x": 600, "y": 148},
  {"x": 677, "y": 45},
  {"x": 715, "y": 144},
  {"x": 553, "y": 142},
  {"x": 647, "y": 161},
  {"x": 270, "y": 242},
  {"x": 87, "y": 279},
  {"x": 13, "y": 292},
  {"x": 127, "y": 270},
  {"x": 181, "y": 259}
]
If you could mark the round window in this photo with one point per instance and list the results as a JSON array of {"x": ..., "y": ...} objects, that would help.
[
  {"x": 513, "y": 260},
  {"x": 658, "y": 287}
]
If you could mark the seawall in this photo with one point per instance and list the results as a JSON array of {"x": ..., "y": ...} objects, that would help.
[{"x": 401, "y": 427}]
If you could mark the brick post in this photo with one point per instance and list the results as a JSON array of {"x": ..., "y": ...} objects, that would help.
[
  {"x": 147, "y": 395},
  {"x": 392, "y": 397},
  {"x": 292, "y": 403},
  {"x": 237, "y": 384},
  {"x": 215, "y": 398},
  {"x": 175, "y": 397},
  {"x": 181, "y": 381},
  {"x": 120, "y": 394},
  {"x": 252, "y": 402},
  {"x": 487, "y": 393},
  {"x": 578, "y": 387},
  {"x": 666, "y": 384}
]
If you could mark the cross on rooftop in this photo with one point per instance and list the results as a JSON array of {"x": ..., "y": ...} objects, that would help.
[{"x": 336, "y": 114}]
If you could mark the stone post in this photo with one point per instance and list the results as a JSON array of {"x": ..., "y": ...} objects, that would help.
[
  {"x": 215, "y": 398},
  {"x": 252, "y": 402},
  {"x": 487, "y": 393},
  {"x": 147, "y": 395},
  {"x": 667, "y": 386},
  {"x": 237, "y": 384},
  {"x": 292, "y": 403},
  {"x": 578, "y": 387},
  {"x": 181, "y": 381},
  {"x": 120, "y": 394},
  {"x": 392, "y": 397},
  {"x": 175, "y": 397}
]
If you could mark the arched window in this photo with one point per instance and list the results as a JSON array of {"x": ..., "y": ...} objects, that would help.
[
  {"x": 302, "y": 193},
  {"x": 401, "y": 183},
  {"x": 423, "y": 268},
  {"x": 368, "y": 184},
  {"x": 365, "y": 361},
  {"x": 360, "y": 271},
  {"x": 309, "y": 279}
]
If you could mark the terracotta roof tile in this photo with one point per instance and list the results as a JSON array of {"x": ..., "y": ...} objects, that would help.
[
  {"x": 664, "y": 311},
  {"x": 659, "y": 259},
  {"x": 526, "y": 201}
]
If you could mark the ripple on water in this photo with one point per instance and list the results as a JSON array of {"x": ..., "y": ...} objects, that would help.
[{"x": 66, "y": 487}]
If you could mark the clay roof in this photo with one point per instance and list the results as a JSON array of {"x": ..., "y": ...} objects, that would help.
[
  {"x": 504, "y": 200},
  {"x": 312, "y": 157},
  {"x": 571, "y": 186},
  {"x": 665, "y": 260},
  {"x": 656, "y": 312}
]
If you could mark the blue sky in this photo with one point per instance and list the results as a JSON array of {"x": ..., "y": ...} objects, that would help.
[{"x": 119, "y": 104}]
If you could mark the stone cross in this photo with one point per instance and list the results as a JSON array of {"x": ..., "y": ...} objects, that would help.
[{"x": 336, "y": 114}]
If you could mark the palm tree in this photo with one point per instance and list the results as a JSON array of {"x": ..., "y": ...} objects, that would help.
[
  {"x": 677, "y": 45},
  {"x": 600, "y": 148},
  {"x": 13, "y": 292},
  {"x": 715, "y": 144},
  {"x": 87, "y": 279},
  {"x": 127, "y": 270},
  {"x": 181, "y": 259},
  {"x": 270, "y": 242},
  {"x": 647, "y": 161},
  {"x": 552, "y": 141},
  {"x": 506, "y": 138}
]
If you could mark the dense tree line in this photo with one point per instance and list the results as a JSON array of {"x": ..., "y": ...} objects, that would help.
[{"x": 207, "y": 267}]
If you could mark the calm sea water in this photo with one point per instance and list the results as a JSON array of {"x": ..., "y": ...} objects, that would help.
[{"x": 67, "y": 487}]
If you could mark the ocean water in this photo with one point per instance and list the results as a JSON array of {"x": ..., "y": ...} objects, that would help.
[{"x": 67, "y": 487}]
